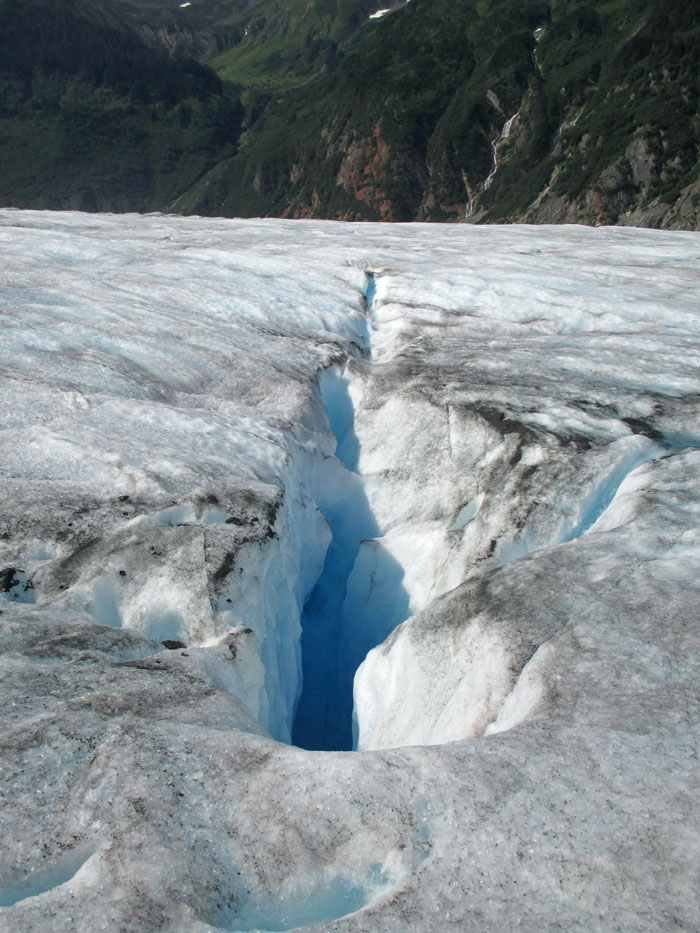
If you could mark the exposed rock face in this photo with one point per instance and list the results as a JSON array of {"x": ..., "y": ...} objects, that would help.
[
  {"x": 202, "y": 43},
  {"x": 494, "y": 113},
  {"x": 486, "y": 439},
  {"x": 368, "y": 168},
  {"x": 619, "y": 197}
]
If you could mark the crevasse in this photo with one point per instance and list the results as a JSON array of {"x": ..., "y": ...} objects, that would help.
[{"x": 335, "y": 639}]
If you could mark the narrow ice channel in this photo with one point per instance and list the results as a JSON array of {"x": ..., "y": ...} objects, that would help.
[
  {"x": 601, "y": 496},
  {"x": 334, "y": 642}
]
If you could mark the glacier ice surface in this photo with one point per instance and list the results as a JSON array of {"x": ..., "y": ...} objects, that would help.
[{"x": 470, "y": 453}]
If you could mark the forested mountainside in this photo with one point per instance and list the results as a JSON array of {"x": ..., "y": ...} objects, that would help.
[
  {"x": 91, "y": 117},
  {"x": 486, "y": 110}
]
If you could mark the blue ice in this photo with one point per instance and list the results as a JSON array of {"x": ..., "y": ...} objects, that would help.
[
  {"x": 333, "y": 643},
  {"x": 601, "y": 497},
  {"x": 339, "y": 898},
  {"x": 39, "y": 882}
]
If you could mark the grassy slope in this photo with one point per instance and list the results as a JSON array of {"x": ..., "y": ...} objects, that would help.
[
  {"x": 611, "y": 73},
  {"x": 417, "y": 78}
]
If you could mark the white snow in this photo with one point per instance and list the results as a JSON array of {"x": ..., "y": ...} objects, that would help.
[{"x": 463, "y": 458}]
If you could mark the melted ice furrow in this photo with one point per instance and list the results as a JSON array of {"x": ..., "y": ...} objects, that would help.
[
  {"x": 601, "y": 497},
  {"x": 339, "y": 897},
  {"x": 590, "y": 508},
  {"x": 43, "y": 881}
]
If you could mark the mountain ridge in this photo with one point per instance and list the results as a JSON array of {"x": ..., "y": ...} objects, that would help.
[{"x": 479, "y": 110}]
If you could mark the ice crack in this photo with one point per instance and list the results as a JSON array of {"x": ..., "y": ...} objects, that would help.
[{"x": 335, "y": 638}]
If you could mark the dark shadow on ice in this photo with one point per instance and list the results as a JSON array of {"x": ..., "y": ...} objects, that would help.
[{"x": 359, "y": 597}]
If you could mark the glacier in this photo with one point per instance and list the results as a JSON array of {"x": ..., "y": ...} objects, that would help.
[{"x": 349, "y": 575}]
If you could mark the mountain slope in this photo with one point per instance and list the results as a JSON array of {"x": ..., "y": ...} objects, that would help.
[
  {"x": 411, "y": 119},
  {"x": 485, "y": 110},
  {"x": 615, "y": 109},
  {"x": 92, "y": 117},
  {"x": 356, "y": 143}
]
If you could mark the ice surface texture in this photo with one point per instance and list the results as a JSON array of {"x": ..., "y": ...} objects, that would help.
[{"x": 206, "y": 429}]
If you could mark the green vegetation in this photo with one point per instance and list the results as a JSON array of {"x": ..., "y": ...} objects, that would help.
[
  {"x": 393, "y": 118},
  {"x": 364, "y": 135},
  {"x": 617, "y": 101},
  {"x": 91, "y": 117},
  {"x": 283, "y": 48}
]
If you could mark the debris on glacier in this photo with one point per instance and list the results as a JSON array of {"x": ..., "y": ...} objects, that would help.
[{"x": 274, "y": 490}]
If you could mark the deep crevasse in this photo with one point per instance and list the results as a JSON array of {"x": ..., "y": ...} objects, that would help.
[
  {"x": 338, "y": 630},
  {"x": 325, "y": 705},
  {"x": 304, "y": 592},
  {"x": 339, "y": 626},
  {"x": 323, "y": 518},
  {"x": 352, "y": 556}
]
